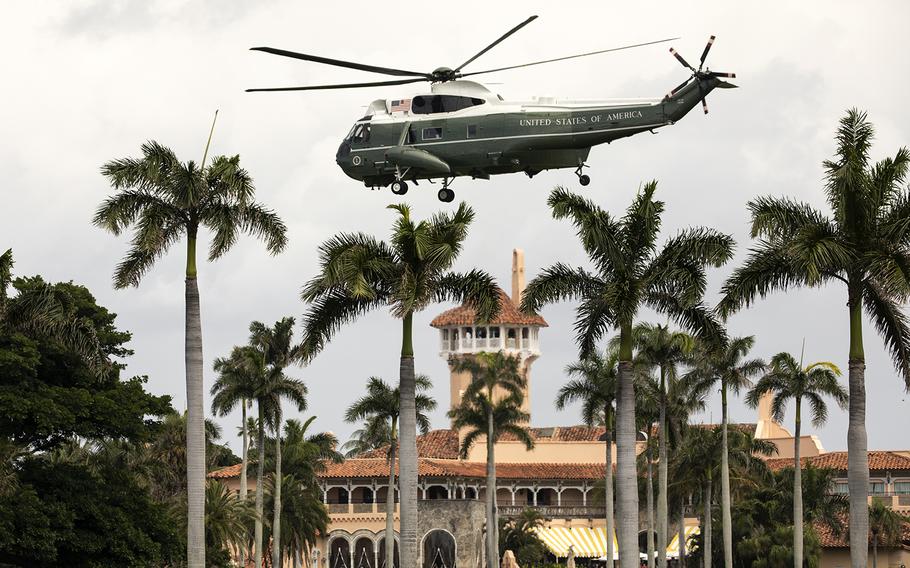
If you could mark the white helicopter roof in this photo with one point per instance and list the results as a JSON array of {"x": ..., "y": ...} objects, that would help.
[{"x": 398, "y": 110}]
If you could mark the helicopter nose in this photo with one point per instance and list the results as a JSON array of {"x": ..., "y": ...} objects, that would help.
[{"x": 344, "y": 150}]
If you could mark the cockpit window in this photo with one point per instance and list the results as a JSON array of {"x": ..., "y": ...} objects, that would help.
[
  {"x": 431, "y": 104},
  {"x": 360, "y": 133}
]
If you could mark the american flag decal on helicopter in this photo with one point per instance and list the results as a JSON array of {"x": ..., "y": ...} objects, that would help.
[{"x": 400, "y": 105}]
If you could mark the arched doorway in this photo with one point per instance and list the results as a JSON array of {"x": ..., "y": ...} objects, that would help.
[
  {"x": 382, "y": 563},
  {"x": 340, "y": 554},
  {"x": 364, "y": 553},
  {"x": 438, "y": 549}
]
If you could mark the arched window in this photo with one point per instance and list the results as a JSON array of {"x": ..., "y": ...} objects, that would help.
[
  {"x": 364, "y": 553},
  {"x": 340, "y": 554},
  {"x": 438, "y": 549},
  {"x": 382, "y": 562}
]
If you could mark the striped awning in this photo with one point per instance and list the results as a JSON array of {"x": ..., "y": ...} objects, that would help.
[
  {"x": 673, "y": 549},
  {"x": 587, "y": 542}
]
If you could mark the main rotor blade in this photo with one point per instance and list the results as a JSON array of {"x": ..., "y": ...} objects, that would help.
[
  {"x": 497, "y": 42},
  {"x": 681, "y": 60},
  {"x": 722, "y": 74},
  {"x": 340, "y": 86},
  {"x": 340, "y": 63},
  {"x": 704, "y": 54},
  {"x": 570, "y": 57}
]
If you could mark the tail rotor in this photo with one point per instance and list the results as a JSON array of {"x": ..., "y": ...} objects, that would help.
[{"x": 701, "y": 73}]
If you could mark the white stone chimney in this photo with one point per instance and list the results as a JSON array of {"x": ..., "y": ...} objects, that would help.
[{"x": 518, "y": 275}]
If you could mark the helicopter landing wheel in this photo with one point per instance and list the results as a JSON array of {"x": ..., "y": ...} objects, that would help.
[
  {"x": 399, "y": 187},
  {"x": 584, "y": 179},
  {"x": 446, "y": 195}
]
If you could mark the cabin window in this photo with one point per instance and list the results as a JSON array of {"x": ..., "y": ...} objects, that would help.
[
  {"x": 431, "y": 104},
  {"x": 472, "y": 131},
  {"x": 361, "y": 133},
  {"x": 432, "y": 133}
]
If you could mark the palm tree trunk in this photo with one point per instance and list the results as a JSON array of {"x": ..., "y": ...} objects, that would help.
[
  {"x": 390, "y": 504},
  {"x": 243, "y": 467},
  {"x": 608, "y": 482},
  {"x": 650, "y": 504},
  {"x": 857, "y": 450},
  {"x": 626, "y": 478},
  {"x": 797, "y": 493},
  {"x": 257, "y": 545},
  {"x": 195, "y": 417},
  {"x": 662, "y": 507},
  {"x": 407, "y": 468},
  {"x": 726, "y": 516},
  {"x": 492, "y": 525},
  {"x": 682, "y": 532},
  {"x": 276, "y": 513},
  {"x": 875, "y": 552},
  {"x": 707, "y": 536}
]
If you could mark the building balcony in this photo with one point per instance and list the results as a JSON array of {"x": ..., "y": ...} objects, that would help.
[{"x": 556, "y": 511}]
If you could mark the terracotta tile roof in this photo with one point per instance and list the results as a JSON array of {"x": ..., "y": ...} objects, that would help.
[
  {"x": 226, "y": 472},
  {"x": 878, "y": 461},
  {"x": 379, "y": 467},
  {"x": 829, "y": 539},
  {"x": 441, "y": 444},
  {"x": 508, "y": 315}
]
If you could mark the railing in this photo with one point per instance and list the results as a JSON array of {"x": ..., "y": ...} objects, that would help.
[
  {"x": 556, "y": 511},
  {"x": 363, "y": 508},
  {"x": 339, "y": 508}
]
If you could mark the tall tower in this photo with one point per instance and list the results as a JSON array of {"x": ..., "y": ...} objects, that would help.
[{"x": 460, "y": 334}]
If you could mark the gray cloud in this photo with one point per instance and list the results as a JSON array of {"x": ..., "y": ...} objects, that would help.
[{"x": 100, "y": 78}]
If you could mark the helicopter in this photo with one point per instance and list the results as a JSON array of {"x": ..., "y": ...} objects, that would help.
[{"x": 462, "y": 129}]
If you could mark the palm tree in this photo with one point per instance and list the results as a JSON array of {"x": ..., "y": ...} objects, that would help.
[
  {"x": 701, "y": 459},
  {"x": 277, "y": 351},
  {"x": 520, "y": 536},
  {"x": 165, "y": 200},
  {"x": 305, "y": 455},
  {"x": 884, "y": 523},
  {"x": 725, "y": 363},
  {"x": 630, "y": 273},
  {"x": 381, "y": 409},
  {"x": 658, "y": 347},
  {"x": 226, "y": 517},
  {"x": 360, "y": 273},
  {"x": 490, "y": 407},
  {"x": 788, "y": 379},
  {"x": 303, "y": 516},
  {"x": 236, "y": 386},
  {"x": 595, "y": 388},
  {"x": 863, "y": 244},
  {"x": 47, "y": 311},
  {"x": 683, "y": 398}
]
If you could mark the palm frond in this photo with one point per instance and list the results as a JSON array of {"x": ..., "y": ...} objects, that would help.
[{"x": 892, "y": 325}]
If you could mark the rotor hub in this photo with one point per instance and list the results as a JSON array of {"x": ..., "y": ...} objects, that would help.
[{"x": 442, "y": 74}]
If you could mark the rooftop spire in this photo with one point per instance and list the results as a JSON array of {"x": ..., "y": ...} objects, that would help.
[{"x": 518, "y": 275}]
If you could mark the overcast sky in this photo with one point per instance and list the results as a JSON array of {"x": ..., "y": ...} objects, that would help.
[{"x": 88, "y": 81}]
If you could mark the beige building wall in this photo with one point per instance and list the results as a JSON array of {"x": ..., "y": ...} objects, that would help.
[{"x": 887, "y": 558}]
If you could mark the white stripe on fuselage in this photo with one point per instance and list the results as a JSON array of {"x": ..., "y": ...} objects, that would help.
[{"x": 542, "y": 135}]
